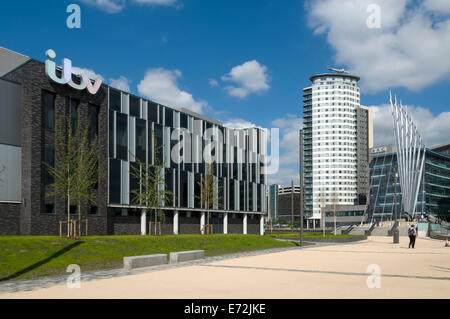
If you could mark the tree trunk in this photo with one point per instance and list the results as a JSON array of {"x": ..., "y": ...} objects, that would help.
[
  {"x": 68, "y": 215},
  {"x": 323, "y": 223},
  {"x": 208, "y": 228},
  {"x": 156, "y": 219},
  {"x": 334, "y": 224},
  {"x": 79, "y": 218}
]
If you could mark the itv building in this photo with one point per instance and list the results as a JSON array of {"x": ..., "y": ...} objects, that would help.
[{"x": 32, "y": 96}]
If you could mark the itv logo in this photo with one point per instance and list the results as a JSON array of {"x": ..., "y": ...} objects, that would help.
[{"x": 66, "y": 76}]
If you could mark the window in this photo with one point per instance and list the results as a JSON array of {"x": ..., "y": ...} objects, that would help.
[
  {"x": 158, "y": 140},
  {"x": 134, "y": 182},
  {"x": 49, "y": 209},
  {"x": 161, "y": 113},
  {"x": 114, "y": 100},
  {"x": 111, "y": 134},
  {"x": 152, "y": 112},
  {"x": 168, "y": 179},
  {"x": 183, "y": 120},
  {"x": 73, "y": 209},
  {"x": 122, "y": 136},
  {"x": 50, "y": 160},
  {"x": 168, "y": 117},
  {"x": 141, "y": 140},
  {"x": 114, "y": 181},
  {"x": 49, "y": 110},
  {"x": 135, "y": 106},
  {"x": 93, "y": 210},
  {"x": 183, "y": 189},
  {"x": 197, "y": 190}
]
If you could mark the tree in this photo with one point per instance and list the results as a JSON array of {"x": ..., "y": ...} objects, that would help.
[
  {"x": 335, "y": 203},
  {"x": 64, "y": 172},
  {"x": 87, "y": 175},
  {"x": 323, "y": 204},
  {"x": 152, "y": 193},
  {"x": 209, "y": 193}
]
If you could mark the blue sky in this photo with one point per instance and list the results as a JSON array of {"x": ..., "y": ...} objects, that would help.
[{"x": 190, "y": 47}]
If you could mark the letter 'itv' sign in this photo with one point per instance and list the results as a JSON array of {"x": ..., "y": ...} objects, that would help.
[{"x": 66, "y": 76}]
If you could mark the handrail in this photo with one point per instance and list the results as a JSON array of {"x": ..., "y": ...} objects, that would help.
[
  {"x": 351, "y": 227},
  {"x": 394, "y": 226},
  {"x": 373, "y": 226}
]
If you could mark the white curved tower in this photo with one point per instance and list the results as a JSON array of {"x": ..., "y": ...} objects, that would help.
[{"x": 331, "y": 108}]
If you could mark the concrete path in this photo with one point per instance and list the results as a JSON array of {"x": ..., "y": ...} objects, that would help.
[{"x": 329, "y": 271}]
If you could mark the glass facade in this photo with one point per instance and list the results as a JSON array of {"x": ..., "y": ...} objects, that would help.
[
  {"x": 145, "y": 129},
  {"x": 434, "y": 192}
]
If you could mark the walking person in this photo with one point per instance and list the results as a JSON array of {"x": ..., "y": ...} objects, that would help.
[{"x": 412, "y": 233}]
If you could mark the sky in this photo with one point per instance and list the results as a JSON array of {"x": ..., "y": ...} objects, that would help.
[{"x": 245, "y": 62}]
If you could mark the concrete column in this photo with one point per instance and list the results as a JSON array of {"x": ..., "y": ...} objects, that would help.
[
  {"x": 225, "y": 223},
  {"x": 245, "y": 224},
  {"x": 175, "y": 222},
  {"x": 143, "y": 222},
  {"x": 202, "y": 222},
  {"x": 261, "y": 225},
  {"x": 314, "y": 223}
]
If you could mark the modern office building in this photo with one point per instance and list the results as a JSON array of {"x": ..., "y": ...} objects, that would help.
[
  {"x": 434, "y": 190},
  {"x": 272, "y": 202},
  {"x": 288, "y": 203},
  {"x": 337, "y": 134},
  {"x": 33, "y": 95}
]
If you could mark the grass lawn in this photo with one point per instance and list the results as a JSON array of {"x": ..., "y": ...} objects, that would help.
[
  {"x": 25, "y": 257},
  {"x": 305, "y": 235}
]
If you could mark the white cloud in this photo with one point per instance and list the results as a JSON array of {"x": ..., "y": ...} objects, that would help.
[
  {"x": 410, "y": 49},
  {"x": 110, "y": 6},
  {"x": 284, "y": 177},
  {"x": 434, "y": 129},
  {"x": 238, "y": 124},
  {"x": 250, "y": 77},
  {"x": 213, "y": 83},
  {"x": 115, "y": 6},
  {"x": 437, "y": 6},
  {"x": 122, "y": 83},
  {"x": 160, "y": 85},
  {"x": 157, "y": 2},
  {"x": 289, "y": 126},
  {"x": 92, "y": 75}
]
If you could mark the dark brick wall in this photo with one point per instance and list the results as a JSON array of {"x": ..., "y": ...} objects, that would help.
[
  {"x": 253, "y": 225},
  {"x": 189, "y": 225},
  {"x": 9, "y": 219},
  {"x": 125, "y": 225},
  {"x": 32, "y": 77},
  {"x": 235, "y": 225}
]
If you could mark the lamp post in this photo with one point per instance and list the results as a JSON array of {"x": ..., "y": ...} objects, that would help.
[
  {"x": 302, "y": 205},
  {"x": 396, "y": 234}
]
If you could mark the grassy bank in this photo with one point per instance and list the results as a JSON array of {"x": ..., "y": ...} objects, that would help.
[
  {"x": 305, "y": 235},
  {"x": 25, "y": 257}
]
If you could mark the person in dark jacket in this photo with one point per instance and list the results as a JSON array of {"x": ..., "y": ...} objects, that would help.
[{"x": 412, "y": 233}]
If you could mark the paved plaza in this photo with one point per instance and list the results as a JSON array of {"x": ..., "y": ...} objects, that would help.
[{"x": 327, "y": 271}]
